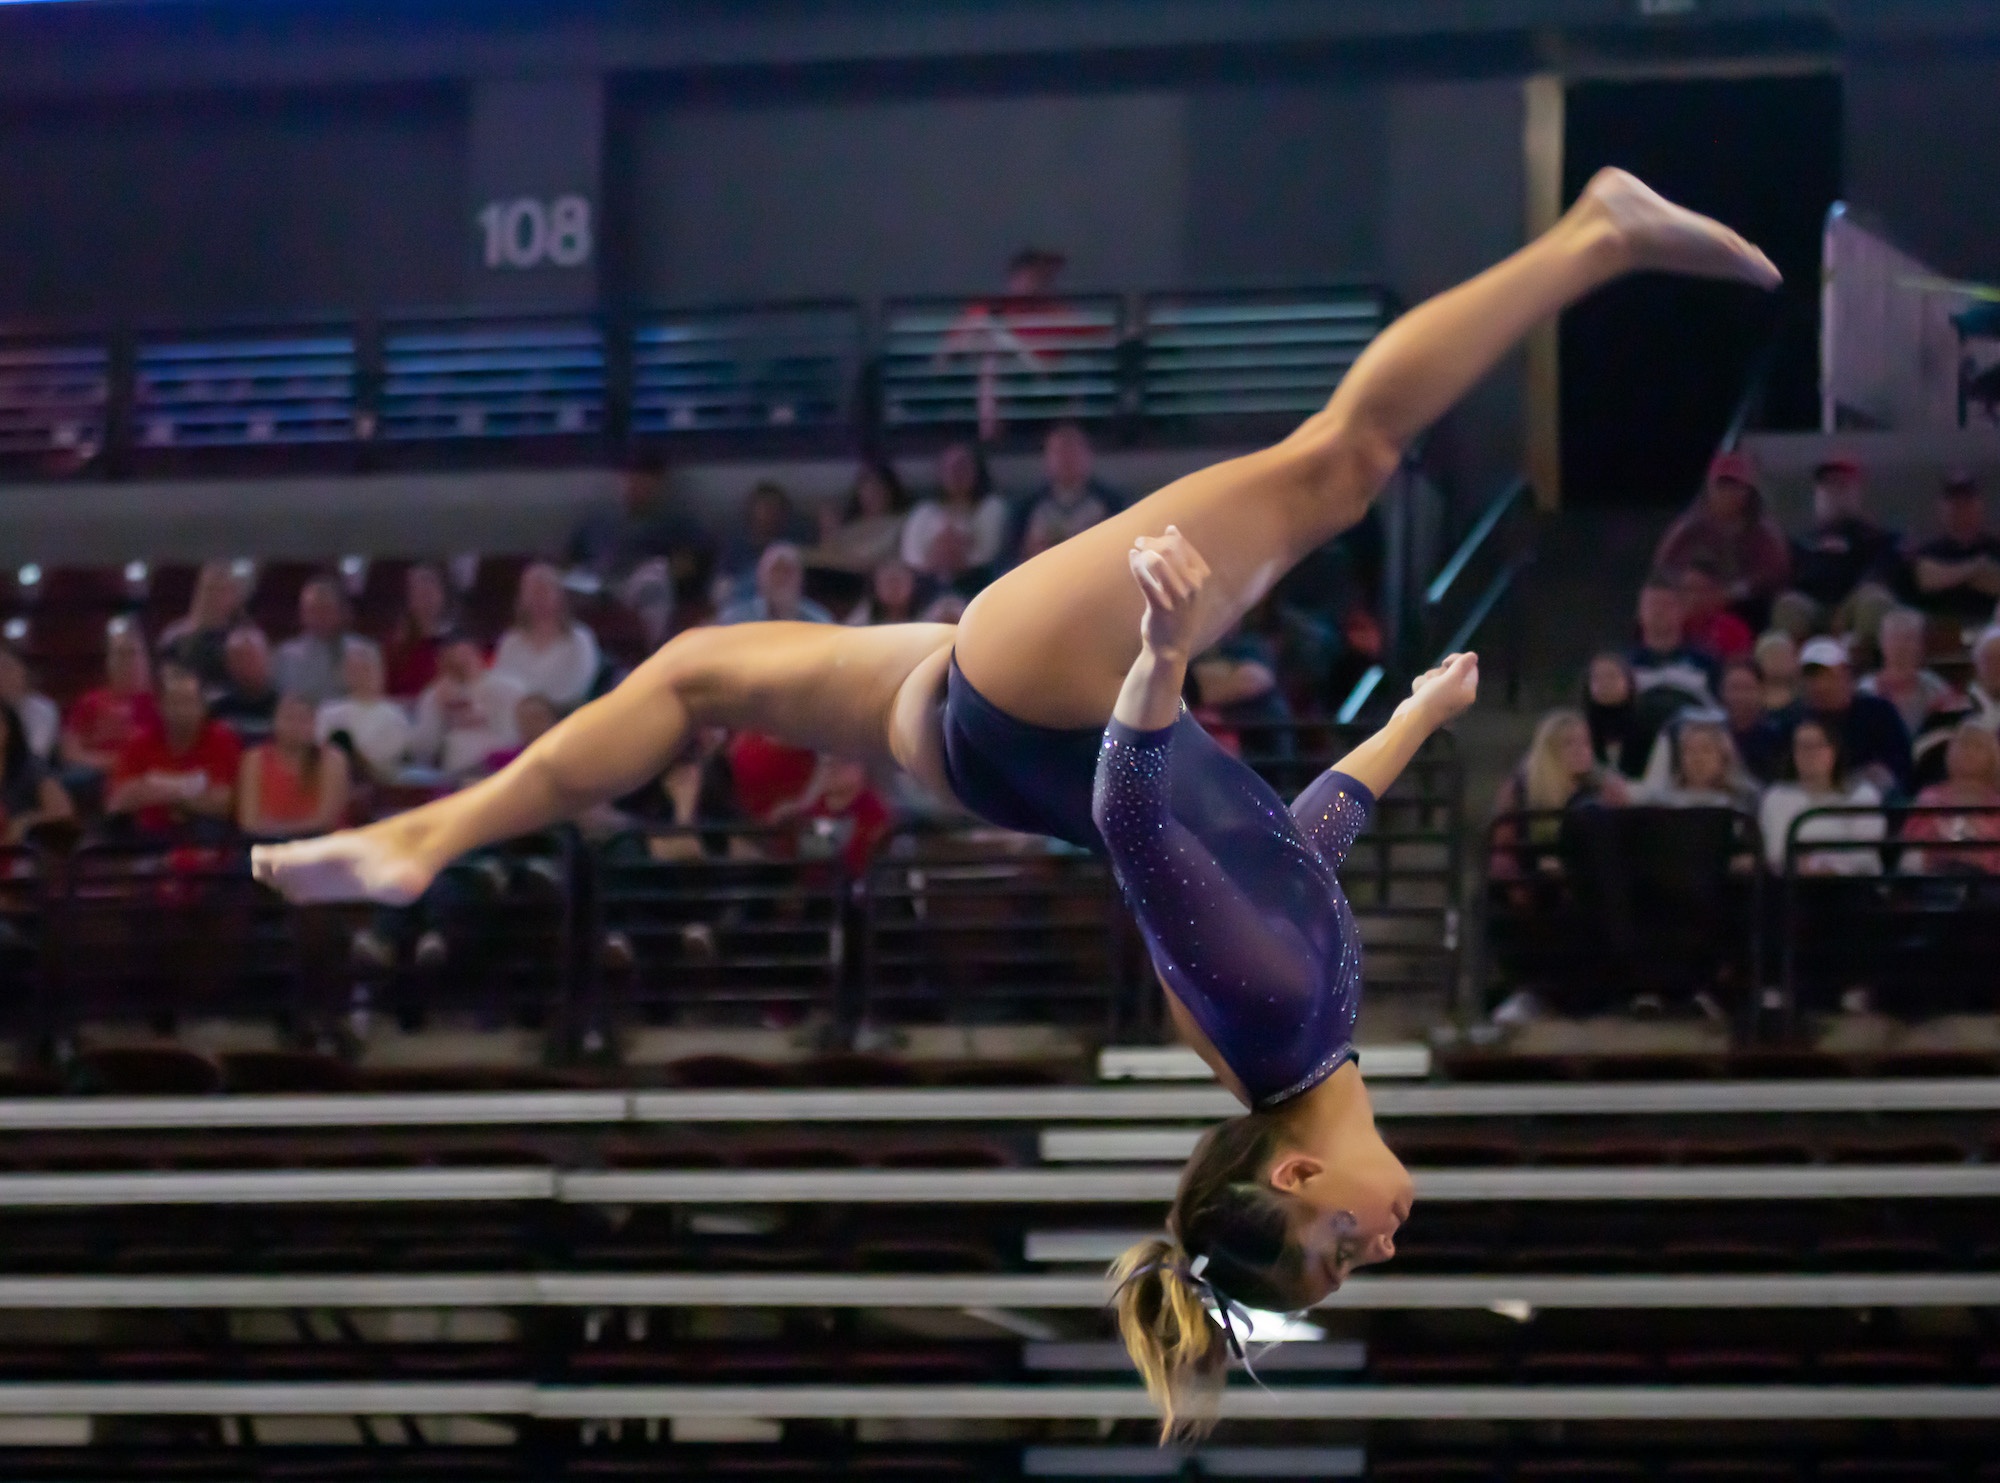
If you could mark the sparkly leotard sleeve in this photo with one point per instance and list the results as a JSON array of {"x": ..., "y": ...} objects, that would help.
[{"x": 1238, "y": 900}]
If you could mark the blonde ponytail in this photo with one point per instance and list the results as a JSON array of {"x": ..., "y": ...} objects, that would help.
[{"x": 1181, "y": 1352}]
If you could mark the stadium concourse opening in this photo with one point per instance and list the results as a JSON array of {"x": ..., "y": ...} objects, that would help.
[{"x": 381, "y": 387}]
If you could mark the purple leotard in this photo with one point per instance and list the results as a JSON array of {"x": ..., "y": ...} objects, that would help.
[{"x": 1235, "y": 894}]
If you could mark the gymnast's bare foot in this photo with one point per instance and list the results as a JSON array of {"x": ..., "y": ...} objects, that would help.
[
  {"x": 1653, "y": 233},
  {"x": 381, "y": 863}
]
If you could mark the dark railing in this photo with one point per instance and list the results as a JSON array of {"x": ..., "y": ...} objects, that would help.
[{"x": 838, "y": 369}]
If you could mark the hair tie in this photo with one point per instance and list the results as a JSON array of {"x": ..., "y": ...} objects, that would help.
[{"x": 1227, "y": 1310}]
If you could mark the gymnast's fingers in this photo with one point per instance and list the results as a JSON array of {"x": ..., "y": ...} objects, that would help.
[{"x": 1144, "y": 568}]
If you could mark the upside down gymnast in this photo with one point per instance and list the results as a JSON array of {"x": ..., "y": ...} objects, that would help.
[{"x": 1054, "y": 707}]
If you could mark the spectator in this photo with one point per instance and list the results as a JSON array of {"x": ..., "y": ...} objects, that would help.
[
  {"x": 1662, "y": 657},
  {"x": 781, "y": 592},
  {"x": 1711, "y": 627},
  {"x": 197, "y": 640},
  {"x": 1727, "y": 529},
  {"x": 1956, "y": 574},
  {"x": 1560, "y": 771},
  {"x": 548, "y": 651},
  {"x": 534, "y": 716},
  {"x": 777, "y": 784},
  {"x": 1984, "y": 691},
  {"x": 104, "y": 719},
  {"x": 1025, "y": 332},
  {"x": 892, "y": 596},
  {"x": 1236, "y": 682},
  {"x": 768, "y": 517},
  {"x": 1903, "y": 680},
  {"x": 29, "y": 792},
  {"x": 1777, "y": 657},
  {"x": 181, "y": 772},
  {"x": 308, "y": 664},
  {"x": 294, "y": 784},
  {"x": 1073, "y": 499},
  {"x": 1700, "y": 767},
  {"x": 1971, "y": 780},
  {"x": 1845, "y": 567},
  {"x": 376, "y": 729},
  {"x": 868, "y": 529},
  {"x": 40, "y": 717},
  {"x": 1819, "y": 779},
  {"x": 248, "y": 703},
  {"x": 1873, "y": 742},
  {"x": 957, "y": 537},
  {"x": 1756, "y": 742},
  {"x": 467, "y": 713},
  {"x": 411, "y": 661},
  {"x": 1610, "y": 707}
]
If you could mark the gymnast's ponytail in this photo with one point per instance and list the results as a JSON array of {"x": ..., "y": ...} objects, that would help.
[{"x": 1228, "y": 1240}]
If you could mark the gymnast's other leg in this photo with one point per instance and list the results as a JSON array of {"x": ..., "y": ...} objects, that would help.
[
  {"x": 825, "y": 686},
  {"x": 1051, "y": 642}
]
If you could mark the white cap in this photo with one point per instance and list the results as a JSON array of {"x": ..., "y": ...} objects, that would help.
[{"x": 1823, "y": 651}]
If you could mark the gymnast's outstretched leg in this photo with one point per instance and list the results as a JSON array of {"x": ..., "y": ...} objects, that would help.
[{"x": 1049, "y": 643}]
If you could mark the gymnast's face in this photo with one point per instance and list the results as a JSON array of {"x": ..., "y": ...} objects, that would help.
[{"x": 1360, "y": 1195}]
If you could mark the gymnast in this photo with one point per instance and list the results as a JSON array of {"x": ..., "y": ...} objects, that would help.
[{"x": 1054, "y": 707}]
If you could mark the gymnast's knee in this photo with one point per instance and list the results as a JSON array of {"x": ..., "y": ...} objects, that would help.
[{"x": 1344, "y": 463}]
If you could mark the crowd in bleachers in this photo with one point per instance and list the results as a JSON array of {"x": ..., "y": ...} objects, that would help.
[{"x": 1846, "y": 668}]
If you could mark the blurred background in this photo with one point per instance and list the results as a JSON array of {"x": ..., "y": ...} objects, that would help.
[{"x": 380, "y": 382}]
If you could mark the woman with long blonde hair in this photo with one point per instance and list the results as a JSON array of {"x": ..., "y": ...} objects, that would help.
[{"x": 1054, "y": 706}]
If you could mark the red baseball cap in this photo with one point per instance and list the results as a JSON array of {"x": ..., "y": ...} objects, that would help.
[
  {"x": 1838, "y": 463},
  {"x": 1736, "y": 465}
]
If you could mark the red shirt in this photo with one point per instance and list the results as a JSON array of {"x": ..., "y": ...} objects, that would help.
[
  {"x": 216, "y": 754},
  {"x": 409, "y": 665},
  {"x": 105, "y": 720},
  {"x": 1721, "y": 635},
  {"x": 767, "y": 773}
]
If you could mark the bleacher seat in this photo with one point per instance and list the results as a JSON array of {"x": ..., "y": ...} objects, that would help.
[
  {"x": 54, "y": 398},
  {"x": 1214, "y": 355},
  {"x": 246, "y": 391},
  {"x": 473, "y": 381},
  {"x": 778, "y": 367}
]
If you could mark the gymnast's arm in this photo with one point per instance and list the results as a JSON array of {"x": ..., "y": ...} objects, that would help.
[{"x": 1435, "y": 698}]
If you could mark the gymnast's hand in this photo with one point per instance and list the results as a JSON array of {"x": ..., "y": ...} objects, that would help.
[
  {"x": 1444, "y": 692},
  {"x": 1171, "y": 573}
]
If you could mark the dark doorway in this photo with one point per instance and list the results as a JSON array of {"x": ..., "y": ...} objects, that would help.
[{"x": 1653, "y": 368}]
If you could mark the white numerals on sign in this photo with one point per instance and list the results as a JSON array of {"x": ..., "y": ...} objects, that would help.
[{"x": 527, "y": 233}]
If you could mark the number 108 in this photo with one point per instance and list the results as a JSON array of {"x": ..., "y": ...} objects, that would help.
[{"x": 527, "y": 233}]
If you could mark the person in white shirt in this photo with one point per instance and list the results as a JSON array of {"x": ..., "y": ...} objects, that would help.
[
  {"x": 1903, "y": 681},
  {"x": 377, "y": 727},
  {"x": 466, "y": 714},
  {"x": 781, "y": 591},
  {"x": 961, "y": 534},
  {"x": 547, "y": 651},
  {"x": 1821, "y": 783}
]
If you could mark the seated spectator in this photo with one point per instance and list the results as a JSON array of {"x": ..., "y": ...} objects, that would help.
[
  {"x": 181, "y": 772},
  {"x": 103, "y": 719},
  {"x": 372, "y": 727},
  {"x": 1727, "y": 529},
  {"x": 1559, "y": 772},
  {"x": 1971, "y": 780},
  {"x": 1956, "y": 574},
  {"x": 1610, "y": 706},
  {"x": 1984, "y": 691},
  {"x": 1846, "y": 567},
  {"x": 1711, "y": 627},
  {"x": 768, "y": 517},
  {"x": 1819, "y": 779},
  {"x": 1873, "y": 743},
  {"x": 294, "y": 784},
  {"x": 1699, "y": 767},
  {"x": 892, "y": 596},
  {"x": 1663, "y": 657},
  {"x": 546, "y": 650},
  {"x": 248, "y": 702},
  {"x": 1235, "y": 685},
  {"x": 467, "y": 713},
  {"x": 40, "y": 717},
  {"x": 868, "y": 529},
  {"x": 1073, "y": 499},
  {"x": 781, "y": 592},
  {"x": 308, "y": 664},
  {"x": 411, "y": 660},
  {"x": 29, "y": 793},
  {"x": 1777, "y": 658},
  {"x": 777, "y": 784},
  {"x": 534, "y": 716},
  {"x": 1756, "y": 743},
  {"x": 1903, "y": 681},
  {"x": 958, "y": 536},
  {"x": 196, "y": 641}
]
